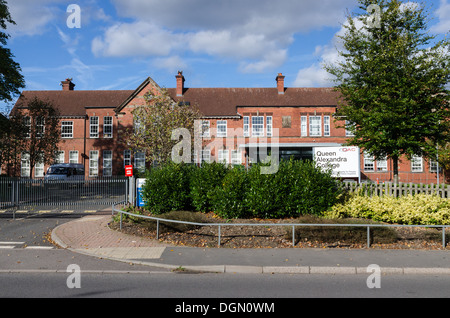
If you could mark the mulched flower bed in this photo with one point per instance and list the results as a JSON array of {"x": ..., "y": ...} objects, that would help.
[{"x": 279, "y": 236}]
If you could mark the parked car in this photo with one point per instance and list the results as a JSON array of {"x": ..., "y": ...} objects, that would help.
[{"x": 65, "y": 172}]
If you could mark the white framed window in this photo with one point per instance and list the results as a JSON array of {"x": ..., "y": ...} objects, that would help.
[
  {"x": 93, "y": 163},
  {"x": 93, "y": 127},
  {"x": 139, "y": 161},
  {"x": 269, "y": 126},
  {"x": 67, "y": 129},
  {"x": 434, "y": 166},
  {"x": 382, "y": 164},
  {"x": 369, "y": 162},
  {"x": 194, "y": 157},
  {"x": 257, "y": 126},
  {"x": 223, "y": 156},
  {"x": 303, "y": 126},
  {"x": 205, "y": 128},
  {"x": 348, "y": 133},
  {"x": 107, "y": 163},
  {"x": 27, "y": 123},
  {"x": 107, "y": 127},
  {"x": 416, "y": 164},
  {"x": 221, "y": 128},
  {"x": 326, "y": 126},
  {"x": 25, "y": 164},
  {"x": 40, "y": 127},
  {"x": 39, "y": 169},
  {"x": 59, "y": 156},
  {"x": 246, "y": 126},
  {"x": 139, "y": 127},
  {"x": 73, "y": 156},
  {"x": 315, "y": 128},
  {"x": 206, "y": 155},
  {"x": 126, "y": 158},
  {"x": 236, "y": 157}
]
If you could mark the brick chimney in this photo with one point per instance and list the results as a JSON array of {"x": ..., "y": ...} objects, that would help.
[
  {"x": 180, "y": 83},
  {"x": 67, "y": 85},
  {"x": 280, "y": 83}
]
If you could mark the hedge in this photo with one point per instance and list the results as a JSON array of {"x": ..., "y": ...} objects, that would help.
[
  {"x": 298, "y": 188},
  {"x": 167, "y": 188},
  {"x": 203, "y": 182}
]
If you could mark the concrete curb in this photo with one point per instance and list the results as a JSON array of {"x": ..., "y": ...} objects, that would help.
[{"x": 238, "y": 269}]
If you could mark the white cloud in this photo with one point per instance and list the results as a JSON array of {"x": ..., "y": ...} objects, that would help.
[
  {"x": 443, "y": 14},
  {"x": 31, "y": 16},
  {"x": 315, "y": 75},
  {"x": 254, "y": 33},
  {"x": 135, "y": 39},
  {"x": 171, "y": 63}
]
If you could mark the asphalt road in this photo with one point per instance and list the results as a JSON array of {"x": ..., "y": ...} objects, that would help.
[
  {"x": 217, "y": 286},
  {"x": 31, "y": 267}
]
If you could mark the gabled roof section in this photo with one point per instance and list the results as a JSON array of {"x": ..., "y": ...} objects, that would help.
[
  {"x": 148, "y": 81},
  {"x": 73, "y": 103}
]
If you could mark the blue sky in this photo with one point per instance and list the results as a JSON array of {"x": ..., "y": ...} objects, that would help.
[{"x": 217, "y": 43}]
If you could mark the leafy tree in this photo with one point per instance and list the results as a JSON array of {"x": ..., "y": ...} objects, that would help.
[
  {"x": 155, "y": 122},
  {"x": 444, "y": 159},
  {"x": 392, "y": 78},
  {"x": 11, "y": 80},
  {"x": 43, "y": 131},
  {"x": 12, "y": 139}
]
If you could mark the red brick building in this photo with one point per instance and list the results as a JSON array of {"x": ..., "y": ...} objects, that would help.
[{"x": 236, "y": 119}]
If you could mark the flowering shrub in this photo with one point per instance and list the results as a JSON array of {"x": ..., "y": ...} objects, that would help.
[{"x": 419, "y": 209}]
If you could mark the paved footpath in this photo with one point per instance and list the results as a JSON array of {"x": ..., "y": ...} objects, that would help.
[{"x": 91, "y": 235}]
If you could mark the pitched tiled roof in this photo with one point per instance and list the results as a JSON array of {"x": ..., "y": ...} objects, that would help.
[
  {"x": 211, "y": 101},
  {"x": 225, "y": 101},
  {"x": 73, "y": 103}
]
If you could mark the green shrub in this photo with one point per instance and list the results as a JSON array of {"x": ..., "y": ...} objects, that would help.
[
  {"x": 228, "y": 198},
  {"x": 265, "y": 193},
  {"x": 297, "y": 188},
  {"x": 419, "y": 209},
  {"x": 309, "y": 190},
  {"x": 203, "y": 182},
  {"x": 167, "y": 188}
]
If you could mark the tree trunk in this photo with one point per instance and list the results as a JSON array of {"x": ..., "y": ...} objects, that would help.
[{"x": 395, "y": 163}]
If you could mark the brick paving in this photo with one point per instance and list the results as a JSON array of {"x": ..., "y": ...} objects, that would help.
[{"x": 93, "y": 232}]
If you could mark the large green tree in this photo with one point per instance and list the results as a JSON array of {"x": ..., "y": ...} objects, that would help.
[
  {"x": 392, "y": 76},
  {"x": 11, "y": 79}
]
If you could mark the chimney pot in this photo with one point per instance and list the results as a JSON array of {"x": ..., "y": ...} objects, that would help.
[
  {"x": 67, "y": 85},
  {"x": 280, "y": 83},
  {"x": 180, "y": 83}
]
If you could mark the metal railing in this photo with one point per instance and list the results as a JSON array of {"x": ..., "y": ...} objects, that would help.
[
  {"x": 20, "y": 193},
  {"x": 292, "y": 225}
]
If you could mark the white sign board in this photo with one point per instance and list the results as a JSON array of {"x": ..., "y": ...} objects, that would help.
[{"x": 343, "y": 161}]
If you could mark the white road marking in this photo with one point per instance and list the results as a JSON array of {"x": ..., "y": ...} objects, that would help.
[
  {"x": 15, "y": 243},
  {"x": 40, "y": 247}
]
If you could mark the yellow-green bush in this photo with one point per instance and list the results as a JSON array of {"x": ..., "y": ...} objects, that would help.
[{"x": 419, "y": 209}]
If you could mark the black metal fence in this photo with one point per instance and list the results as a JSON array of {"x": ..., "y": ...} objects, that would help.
[{"x": 23, "y": 193}]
